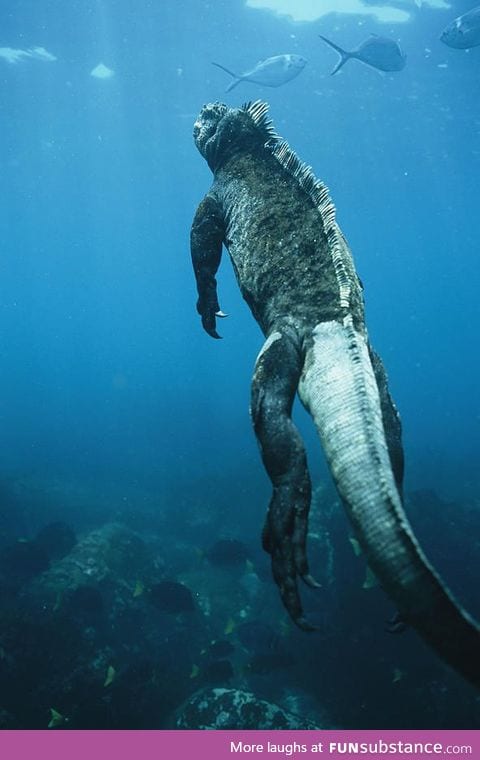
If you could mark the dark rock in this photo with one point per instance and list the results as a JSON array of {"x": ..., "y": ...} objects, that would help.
[{"x": 232, "y": 709}]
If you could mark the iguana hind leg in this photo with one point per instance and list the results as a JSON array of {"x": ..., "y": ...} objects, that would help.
[{"x": 275, "y": 382}]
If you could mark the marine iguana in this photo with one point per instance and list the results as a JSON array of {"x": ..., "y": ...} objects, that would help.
[{"x": 296, "y": 272}]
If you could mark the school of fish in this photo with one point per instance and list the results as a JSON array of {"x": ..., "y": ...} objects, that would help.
[{"x": 381, "y": 53}]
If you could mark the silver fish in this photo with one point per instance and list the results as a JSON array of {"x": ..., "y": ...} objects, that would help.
[
  {"x": 464, "y": 31},
  {"x": 380, "y": 52},
  {"x": 272, "y": 72}
]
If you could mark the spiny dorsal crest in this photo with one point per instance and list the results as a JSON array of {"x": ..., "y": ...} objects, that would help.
[
  {"x": 313, "y": 187},
  {"x": 318, "y": 192},
  {"x": 258, "y": 110}
]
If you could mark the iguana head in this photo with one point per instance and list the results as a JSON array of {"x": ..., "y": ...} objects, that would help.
[
  {"x": 220, "y": 132},
  {"x": 206, "y": 126}
]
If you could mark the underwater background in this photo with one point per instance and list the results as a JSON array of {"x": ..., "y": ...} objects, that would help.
[{"x": 132, "y": 492}]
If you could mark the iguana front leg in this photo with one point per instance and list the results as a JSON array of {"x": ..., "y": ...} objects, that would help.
[{"x": 206, "y": 240}]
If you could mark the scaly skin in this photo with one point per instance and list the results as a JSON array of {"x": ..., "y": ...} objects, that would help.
[{"x": 296, "y": 272}]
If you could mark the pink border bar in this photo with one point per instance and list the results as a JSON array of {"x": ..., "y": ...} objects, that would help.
[{"x": 226, "y": 745}]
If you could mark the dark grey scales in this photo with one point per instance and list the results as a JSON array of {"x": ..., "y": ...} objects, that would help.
[{"x": 295, "y": 270}]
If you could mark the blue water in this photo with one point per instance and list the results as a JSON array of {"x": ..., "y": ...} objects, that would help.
[{"x": 108, "y": 381}]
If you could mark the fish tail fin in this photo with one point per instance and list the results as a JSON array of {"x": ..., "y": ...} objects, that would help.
[
  {"x": 236, "y": 80},
  {"x": 344, "y": 54},
  {"x": 233, "y": 84},
  {"x": 339, "y": 65}
]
